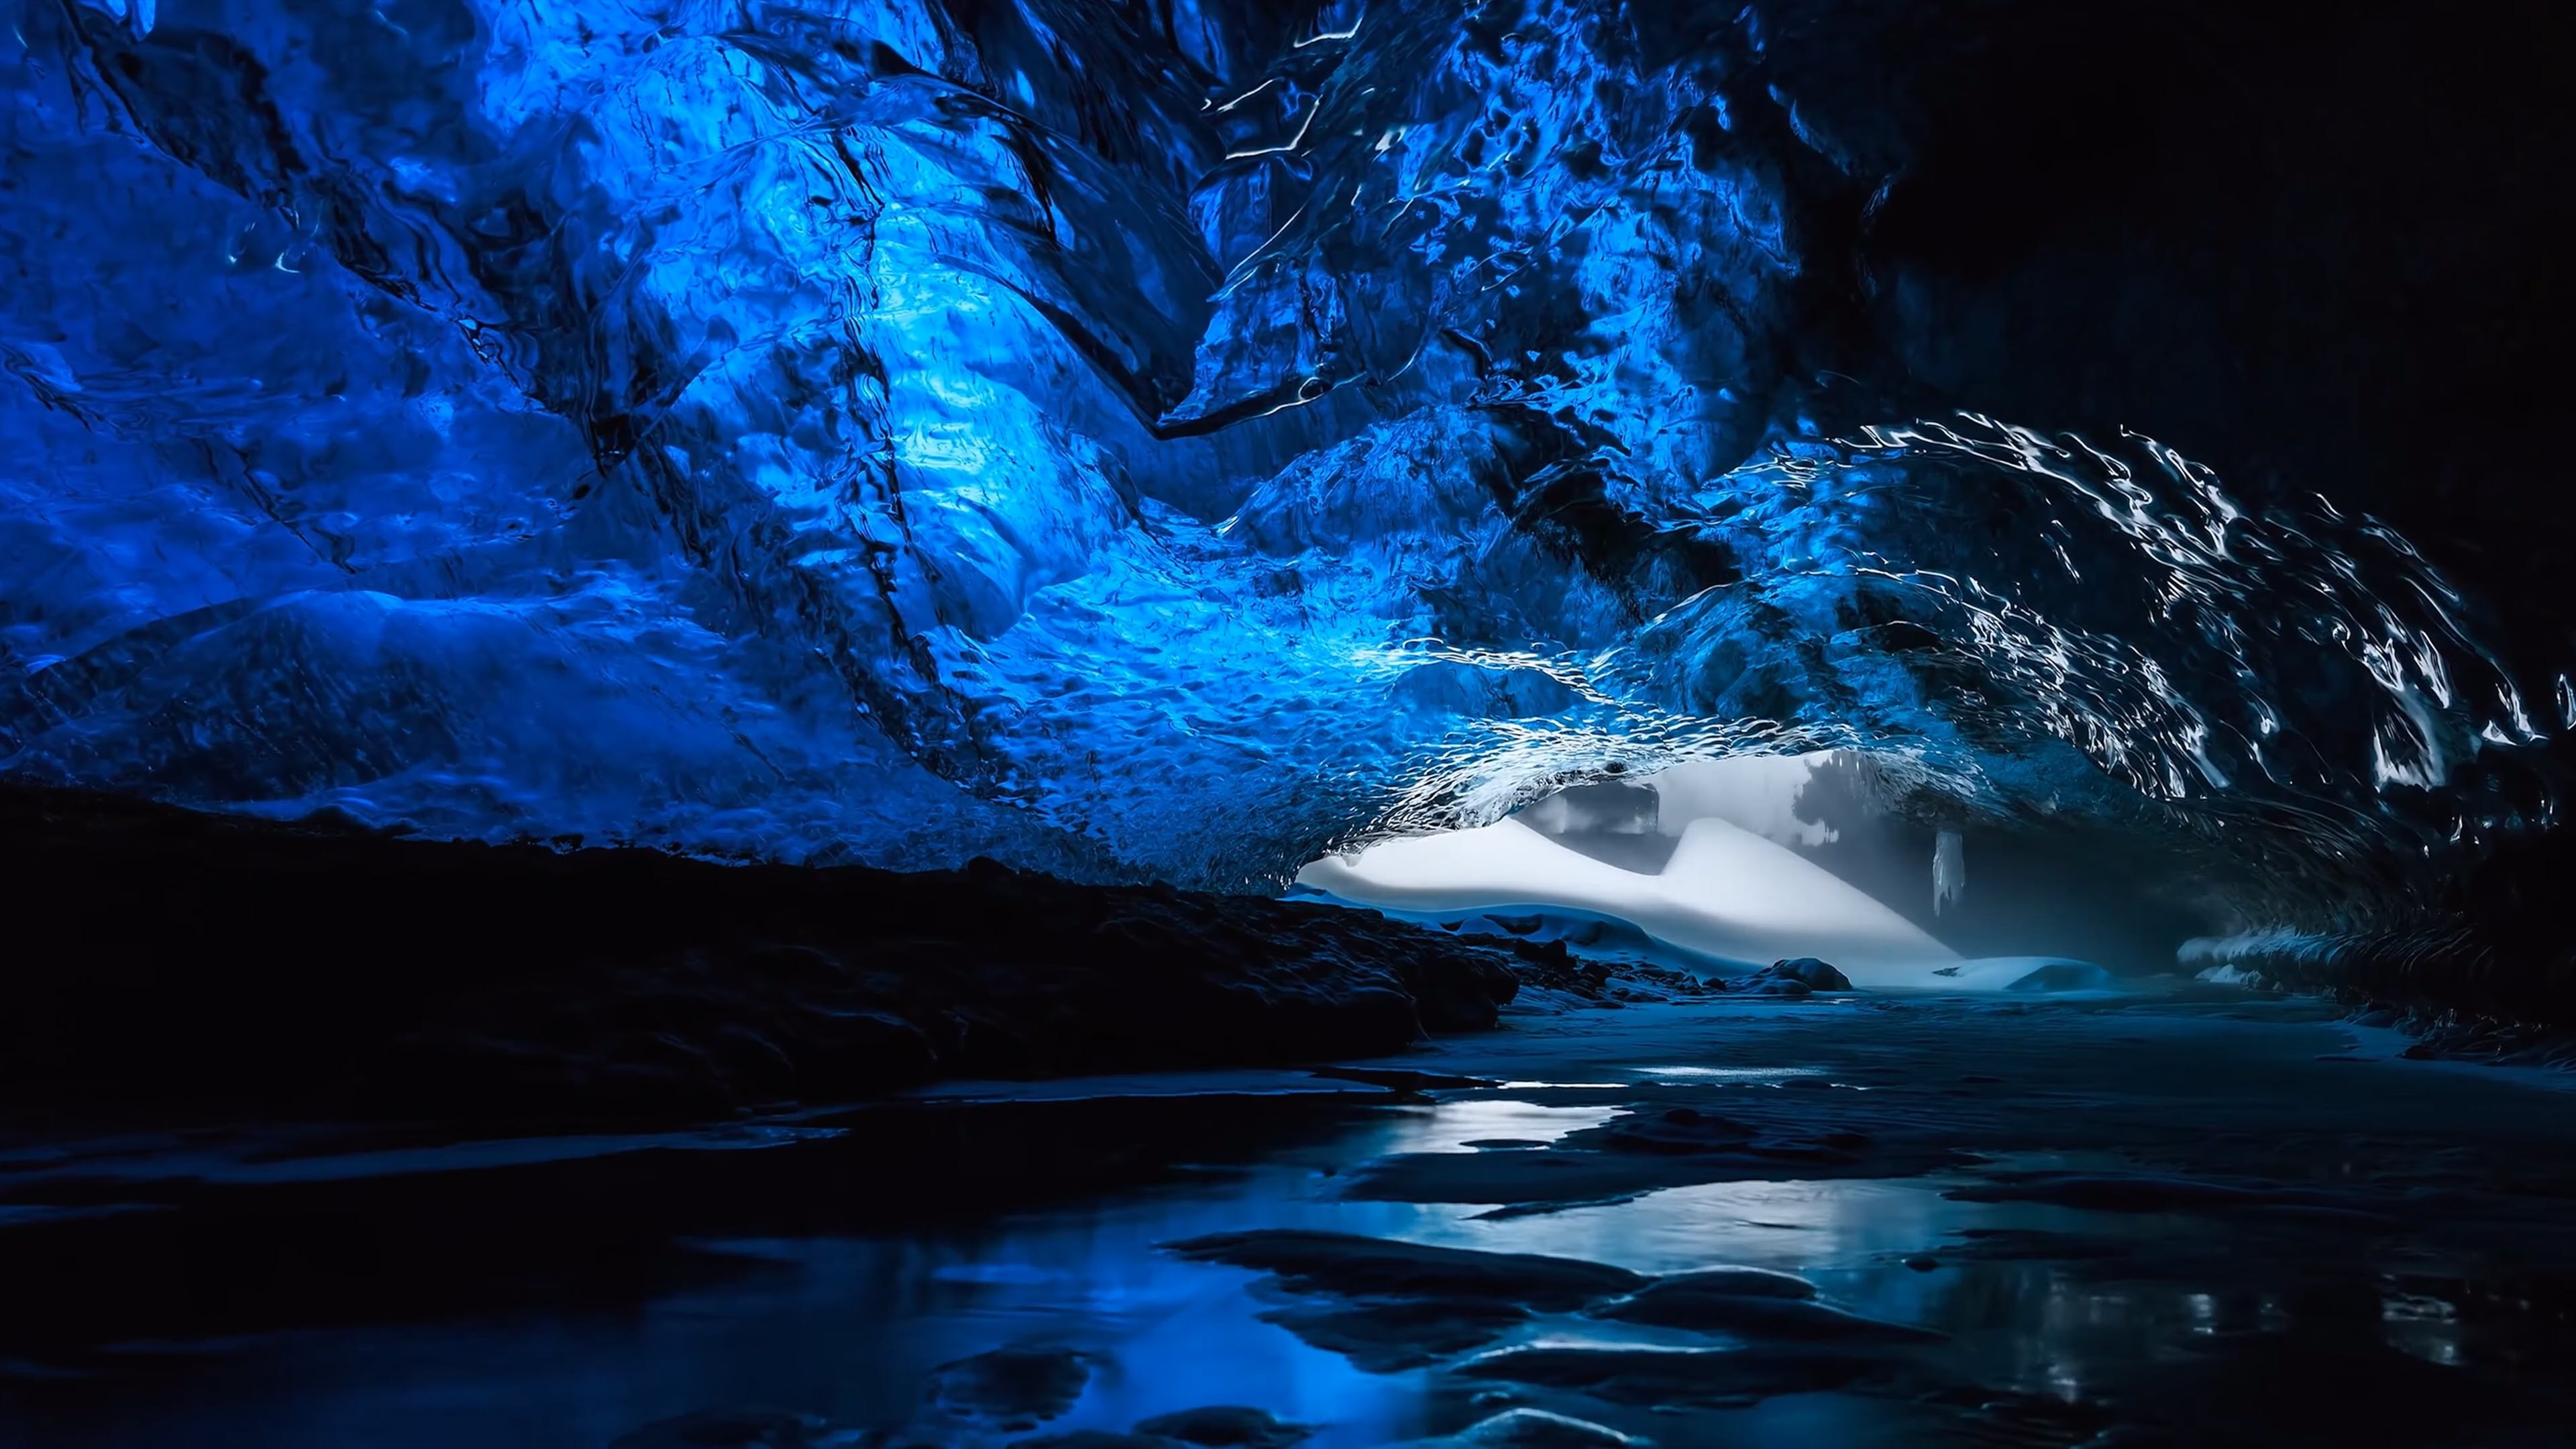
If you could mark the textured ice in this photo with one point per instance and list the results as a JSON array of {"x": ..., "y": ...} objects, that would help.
[
  {"x": 1949, "y": 869},
  {"x": 1133, "y": 439},
  {"x": 1759, "y": 793}
]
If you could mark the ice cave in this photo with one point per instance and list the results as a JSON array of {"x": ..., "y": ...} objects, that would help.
[{"x": 1125, "y": 724}]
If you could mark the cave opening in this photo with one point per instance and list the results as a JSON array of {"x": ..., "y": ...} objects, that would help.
[
  {"x": 1719, "y": 868},
  {"x": 1112, "y": 724}
]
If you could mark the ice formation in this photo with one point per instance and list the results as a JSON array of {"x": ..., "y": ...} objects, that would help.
[
  {"x": 1949, "y": 869},
  {"x": 1759, "y": 793},
  {"x": 1136, "y": 439},
  {"x": 1727, "y": 893}
]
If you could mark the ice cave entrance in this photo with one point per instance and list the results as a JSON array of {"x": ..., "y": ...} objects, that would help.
[{"x": 1706, "y": 866}]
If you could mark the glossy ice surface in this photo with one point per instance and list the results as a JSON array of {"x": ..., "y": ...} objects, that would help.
[
  {"x": 2209, "y": 1219},
  {"x": 1135, "y": 440}
]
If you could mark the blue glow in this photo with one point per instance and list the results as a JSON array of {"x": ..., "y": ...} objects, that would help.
[{"x": 853, "y": 431}]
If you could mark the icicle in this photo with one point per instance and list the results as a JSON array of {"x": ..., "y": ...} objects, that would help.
[{"x": 1949, "y": 871}]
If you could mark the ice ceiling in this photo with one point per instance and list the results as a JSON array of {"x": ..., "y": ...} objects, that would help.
[{"x": 1136, "y": 439}]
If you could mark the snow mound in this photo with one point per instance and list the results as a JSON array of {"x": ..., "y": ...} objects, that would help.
[{"x": 1727, "y": 893}]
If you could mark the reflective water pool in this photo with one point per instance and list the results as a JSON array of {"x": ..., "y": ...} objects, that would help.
[{"x": 216, "y": 1287}]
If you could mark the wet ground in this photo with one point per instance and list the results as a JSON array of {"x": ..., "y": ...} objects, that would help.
[{"x": 1866, "y": 1220}]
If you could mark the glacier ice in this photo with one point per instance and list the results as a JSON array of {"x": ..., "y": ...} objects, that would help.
[
  {"x": 1949, "y": 869},
  {"x": 1759, "y": 793},
  {"x": 1171, "y": 439}
]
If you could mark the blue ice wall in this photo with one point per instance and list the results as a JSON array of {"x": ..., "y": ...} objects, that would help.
[{"x": 1134, "y": 439}]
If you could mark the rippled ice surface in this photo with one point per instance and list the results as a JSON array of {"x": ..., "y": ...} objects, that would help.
[{"x": 901, "y": 432}]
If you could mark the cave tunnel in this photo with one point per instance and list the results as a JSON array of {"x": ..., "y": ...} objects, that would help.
[{"x": 1118, "y": 724}]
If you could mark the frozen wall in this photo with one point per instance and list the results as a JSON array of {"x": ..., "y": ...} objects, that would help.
[{"x": 1135, "y": 439}]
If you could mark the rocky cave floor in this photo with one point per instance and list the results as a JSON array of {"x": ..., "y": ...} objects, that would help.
[{"x": 2189, "y": 1217}]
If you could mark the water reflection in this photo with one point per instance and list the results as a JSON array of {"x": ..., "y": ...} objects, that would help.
[
  {"x": 1480, "y": 1124},
  {"x": 812, "y": 1277}
]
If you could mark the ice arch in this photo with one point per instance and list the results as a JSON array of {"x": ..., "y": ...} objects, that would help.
[{"x": 1162, "y": 439}]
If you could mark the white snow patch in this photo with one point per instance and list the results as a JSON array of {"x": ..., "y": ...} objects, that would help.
[
  {"x": 1758, "y": 793},
  {"x": 1726, "y": 892},
  {"x": 2026, "y": 973}
]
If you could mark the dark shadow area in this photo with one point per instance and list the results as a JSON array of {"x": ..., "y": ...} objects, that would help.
[
  {"x": 2243, "y": 1237},
  {"x": 220, "y": 964},
  {"x": 2317, "y": 247},
  {"x": 180, "y": 1241}
]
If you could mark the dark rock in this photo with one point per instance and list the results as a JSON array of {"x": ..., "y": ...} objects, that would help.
[
  {"x": 1011, "y": 1388},
  {"x": 1731, "y": 1283},
  {"x": 1721, "y": 1304},
  {"x": 519, "y": 983},
  {"x": 1796, "y": 973},
  {"x": 1537, "y": 1429},
  {"x": 1227, "y": 1426},
  {"x": 1306, "y": 1261},
  {"x": 1667, "y": 1376},
  {"x": 1922, "y": 1264},
  {"x": 1390, "y": 1335},
  {"x": 1550, "y": 966},
  {"x": 1680, "y": 1130},
  {"x": 1795, "y": 976},
  {"x": 1818, "y": 975}
]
